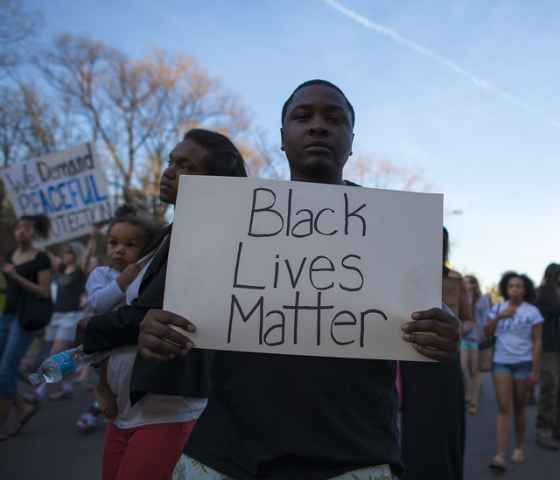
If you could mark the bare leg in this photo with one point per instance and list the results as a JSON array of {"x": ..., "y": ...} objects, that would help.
[
  {"x": 466, "y": 376},
  {"x": 520, "y": 397},
  {"x": 474, "y": 369},
  {"x": 503, "y": 383}
]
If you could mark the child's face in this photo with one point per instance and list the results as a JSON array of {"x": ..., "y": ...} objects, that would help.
[{"x": 124, "y": 244}]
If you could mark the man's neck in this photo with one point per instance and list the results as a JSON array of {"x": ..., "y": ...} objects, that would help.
[{"x": 331, "y": 180}]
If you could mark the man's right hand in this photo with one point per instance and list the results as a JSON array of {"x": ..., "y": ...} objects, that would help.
[{"x": 164, "y": 335}]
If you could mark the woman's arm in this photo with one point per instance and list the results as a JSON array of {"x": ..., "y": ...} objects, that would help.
[
  {"x": 465, "y": 312},
  {"x": 537, "y": 350},
  {"x": 41, "y": 289}
]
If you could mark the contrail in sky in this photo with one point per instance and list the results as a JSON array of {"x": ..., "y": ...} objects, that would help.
[{"x": 421, "y": 50}]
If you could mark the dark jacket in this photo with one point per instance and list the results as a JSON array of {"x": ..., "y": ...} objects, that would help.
[
  {"x": 182, "y": 376},
  {"x": 548, "y": 302}
]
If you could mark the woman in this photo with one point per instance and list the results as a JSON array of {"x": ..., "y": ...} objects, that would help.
[
  {"x": 27, "y": 270},
  {"x": 548, "y": 418},
  {"x": 517, "y": 326},
  {"x": 480, "y": 307}
]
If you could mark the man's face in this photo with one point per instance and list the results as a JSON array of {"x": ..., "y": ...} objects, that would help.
[
  {"x": 317, "y": 132},
  {"x": 187, "y": 158}
]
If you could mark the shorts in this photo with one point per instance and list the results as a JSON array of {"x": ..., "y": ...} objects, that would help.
[
  {"x": 63, "y": 326},
  {"x": 190, "y": 469},
  {"x": 519, "y": 371},
  {"x": 469, "y": 345}
]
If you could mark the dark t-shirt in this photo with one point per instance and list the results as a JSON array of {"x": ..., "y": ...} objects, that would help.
[
  {"x": 70, "y": 288},
  {"x": 29, "y": 270},
  {"x": 283, "y": 417}
]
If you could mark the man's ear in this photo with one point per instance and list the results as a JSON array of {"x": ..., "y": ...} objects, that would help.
[
  {"x": 282, "y": 139},
  {"x": 351, "y": 152}
]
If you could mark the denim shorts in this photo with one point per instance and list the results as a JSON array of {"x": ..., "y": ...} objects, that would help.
[{"x": 519, "y": 371}]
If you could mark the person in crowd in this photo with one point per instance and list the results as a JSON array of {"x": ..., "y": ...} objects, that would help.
[
  {"x": 28, "y": 273},
  {"x": 127, "y": 236},
  {"x": 279, "y": 416},
  {"x": 548, "y": 417},
  {"x": 516, "y": 324},
  {"x": 60, "y": 333},
  {"x": 433, "y": 440},
  {"x": 480, "y": 306},
  {"x": 157, "y": 403}
]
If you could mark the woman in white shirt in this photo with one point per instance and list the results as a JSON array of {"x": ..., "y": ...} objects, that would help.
[{"x": 517, "y": 326}]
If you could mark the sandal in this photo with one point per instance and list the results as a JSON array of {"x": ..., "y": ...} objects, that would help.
[
  {"x": 518, "y": 456},
  {"x": 498, "y": 463}
]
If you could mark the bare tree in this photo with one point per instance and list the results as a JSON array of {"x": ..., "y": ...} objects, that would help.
[
  {"x": 138, "y": 109},
  {"x": 17, "y": 27},
  {"x": 376, "y": 172}
]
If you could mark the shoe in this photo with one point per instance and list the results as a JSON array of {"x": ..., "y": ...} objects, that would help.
[
  {"x": 498, "y": 463},
  {"x": 63, "y": 394},
  {"x": 87, "y": 423},
  {"x": 518, "y": 456},
  {"x": 547, "y": 442}
]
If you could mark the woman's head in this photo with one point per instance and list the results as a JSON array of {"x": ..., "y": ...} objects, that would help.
[
  {"x": 30, "y": 227},
  {"x": 202, "y": 152},
  {"x": 473, "y": 287},
  {"x": 552, "y": 276},
  {"x": 129, "y": 233},
  {"x": 445, "y": 246},
  {"x": 517, "y": 288},
  {"x": 72, "y": 253}
]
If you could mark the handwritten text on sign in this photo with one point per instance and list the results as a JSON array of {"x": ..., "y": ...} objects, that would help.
[
  {"x": 69, "y": 187},
  {"x": 303, "y": 269}
]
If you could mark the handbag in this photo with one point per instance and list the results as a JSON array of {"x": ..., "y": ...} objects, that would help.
[
  {"x": 486, "y": 352},
  {"x": 35, "y": 312}
]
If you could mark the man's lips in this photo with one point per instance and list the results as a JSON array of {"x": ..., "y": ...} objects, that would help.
[{"x": 318, "y": 148}]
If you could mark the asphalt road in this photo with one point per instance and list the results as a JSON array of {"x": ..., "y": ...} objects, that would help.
[{"x": 51, "y": 448}]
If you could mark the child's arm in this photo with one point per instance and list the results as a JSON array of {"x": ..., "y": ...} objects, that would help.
[{"x": 103, "y": 294}]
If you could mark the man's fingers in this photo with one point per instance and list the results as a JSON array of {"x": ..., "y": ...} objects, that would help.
[
  {"x": 165, "y": 332},
  {"x": 144, "y": 352},
  {"x": 433, "y": 354},
  {"x": 432, "y": 313},
  {"x": 430, "y": 325},
  {"x": 431, "y": 340},
  {"x": 158, "y": 346},
  {"x": 170, "y": 318}
]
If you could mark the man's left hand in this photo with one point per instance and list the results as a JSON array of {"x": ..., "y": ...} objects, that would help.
[{"x": 434, "y": 333}]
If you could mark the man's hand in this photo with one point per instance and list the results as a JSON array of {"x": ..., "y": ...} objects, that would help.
[
  {"x": 434, "y": 333},
  {"x": 164, "y": 335}
]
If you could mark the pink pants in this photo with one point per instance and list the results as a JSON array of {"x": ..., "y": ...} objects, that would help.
[{"x": 146, "y": 452}]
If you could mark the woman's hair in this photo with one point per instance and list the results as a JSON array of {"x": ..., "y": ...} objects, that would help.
[
  {"x": 477, "y": 292},
  {"x": 41, "y": 224},
  {"x": 133, "y": 216},
  {"x": 224, "y": 159},
  {"x": 551, "y": 275},
  {"x": 530, "y": 293}
]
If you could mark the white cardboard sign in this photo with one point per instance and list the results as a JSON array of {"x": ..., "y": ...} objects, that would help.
[
  {"x": 69, "y": 187},
  {"x": 301, "y": 268}
]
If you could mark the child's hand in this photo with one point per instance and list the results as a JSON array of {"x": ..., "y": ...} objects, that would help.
[{"x": 128, "y": 275}]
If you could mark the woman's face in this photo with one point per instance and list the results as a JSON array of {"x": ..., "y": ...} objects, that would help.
[
  {"x": 516, "y": 289},
  {"x": 24, "y": 232},
  {"x": 470, "y": 285},
  {"x": 68, "y": 256}
]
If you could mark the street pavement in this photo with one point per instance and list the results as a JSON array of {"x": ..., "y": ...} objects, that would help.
[{"x": 50, "y": 447}]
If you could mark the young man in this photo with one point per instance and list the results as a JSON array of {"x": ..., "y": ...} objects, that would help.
[{"x": 291, "y": 417}]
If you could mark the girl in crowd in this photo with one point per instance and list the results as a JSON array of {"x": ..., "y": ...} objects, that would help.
[
  {"x": 480, "y": 306},
  {"x": 61, "y": 331},
  {"x": 517, "y": 326},
  {"x": 27, "y": 270},
  {"x": 548, "y": 418},
  {"x": 128, "y": 234}
]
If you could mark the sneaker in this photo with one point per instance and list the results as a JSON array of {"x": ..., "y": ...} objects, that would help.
[
  {"x": 87, "y": 423},
  {"x": 498, "y": 463},
  {"x": 546, "y": 441},
  {"x": 518, "y": 456},
  {"x": 63, "y": 394}
]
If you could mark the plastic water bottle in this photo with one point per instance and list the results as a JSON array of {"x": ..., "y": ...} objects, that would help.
[{"x": 63, "y": 364}]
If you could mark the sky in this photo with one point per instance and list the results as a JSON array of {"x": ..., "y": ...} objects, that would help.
[{"x": 465, "y": 91}]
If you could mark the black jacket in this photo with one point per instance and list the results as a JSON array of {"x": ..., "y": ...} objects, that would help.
[
  {"x": 186, "y": 376},
  {"x": 548, "y": 302}
]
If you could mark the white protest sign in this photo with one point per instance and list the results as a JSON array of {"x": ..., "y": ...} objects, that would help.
[
  {"x": 302, "y": 268},
  {"x": 69, "y": 187}
]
